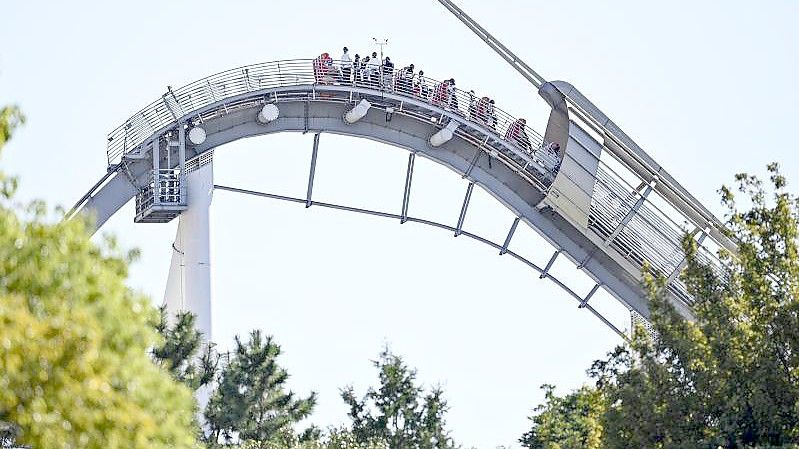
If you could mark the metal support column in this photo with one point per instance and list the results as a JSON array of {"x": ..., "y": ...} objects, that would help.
[
  {"x": 630, "y": 213},
  {"x": 465, "y": 206},
  {"x": 510, "y": 236},
  {"x": 308, "y": 201},
  {"x": 156, "y": 170},
  {"x": 407, "y": 194},
  {"x": 182, "y": 163},
  {"x": 549, "y": 264},
  {"x": 584, "y": 302}
]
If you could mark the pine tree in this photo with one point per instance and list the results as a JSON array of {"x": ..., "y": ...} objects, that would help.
[
  {"x": 179, "y": 352},
  {"x": 398, "y": 412},
  {"x": 251, "y": 401}
]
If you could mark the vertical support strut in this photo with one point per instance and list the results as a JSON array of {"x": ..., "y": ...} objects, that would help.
[
  {"x": 465, "y": 206},
  {"x": 308, "y": 201},
  {"x": 407, "y": 194},
  {"x": 156, "y": 169},
  {"x": 584, "y": 302},
  {"x": 182, "y": 163},
  {"x": 510, "y": 236},
  {"x": 630, "y": 213},
  {"x": 549, "y": 264}
]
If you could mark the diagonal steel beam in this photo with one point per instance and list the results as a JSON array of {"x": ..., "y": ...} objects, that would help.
[
  {"x": 584, "y": 301},
  {"x": 465, "y": 206},
  {"x": 633, "y": 210},
  {"x": 545, "y": 273},
  {"x": 510, "y": 236},
  {"x": 308, "y": 201},
  {"x": 407, "y": 194}
]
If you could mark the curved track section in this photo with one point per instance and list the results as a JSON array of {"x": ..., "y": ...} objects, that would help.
[{"x": 227, "y": 105}]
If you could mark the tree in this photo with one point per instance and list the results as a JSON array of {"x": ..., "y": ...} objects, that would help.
[
  {"x": 731, "y": 377},
  {"x": 251, "y": 400},
  {"x": 398, "y": 412},
  {"x": 569, "y": 422},
  {"x": 179, "y": 353},
  {"x": 74, "y": 370}
]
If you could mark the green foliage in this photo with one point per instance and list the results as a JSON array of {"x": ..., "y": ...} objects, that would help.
[
  {"x": 179, "y": 352},
  {"x": 10, "y": 118},
  {"x": 251, "y": 401},
  {"x": 398, "y": 412},
  {"x": 335, "y": 438},
  {"x": 75, "y": 371},
  {"x": 731, "y": 377},
  {"x": 569, "y": 422}
]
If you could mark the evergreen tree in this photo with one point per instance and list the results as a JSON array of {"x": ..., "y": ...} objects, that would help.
[
  {"x": 179, "y": 352},
  {"x": 398, "y": 412},
  {"x": 251, "y": 402},
  {"x": 569, "y": 422}
]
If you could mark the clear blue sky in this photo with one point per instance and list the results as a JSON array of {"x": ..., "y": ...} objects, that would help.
[{"x": 707, "y": 88}]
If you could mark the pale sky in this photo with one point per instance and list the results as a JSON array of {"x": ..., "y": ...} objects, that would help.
[{"x": 707, "y": 88}]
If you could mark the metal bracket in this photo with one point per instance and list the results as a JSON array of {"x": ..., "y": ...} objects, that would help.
[{"x": 307, "y": 110}]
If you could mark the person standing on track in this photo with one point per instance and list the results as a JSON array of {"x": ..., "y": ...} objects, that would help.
[{"x": 346, "y": 67}]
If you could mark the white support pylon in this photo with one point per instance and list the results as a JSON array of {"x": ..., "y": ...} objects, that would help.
[{"x": 188, "y": 287}]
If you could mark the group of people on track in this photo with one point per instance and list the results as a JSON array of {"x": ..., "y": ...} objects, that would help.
[{"x": 372, "y": 71}]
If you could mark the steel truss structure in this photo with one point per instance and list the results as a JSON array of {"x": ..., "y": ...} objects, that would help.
[{"x": 602, "y": 205}]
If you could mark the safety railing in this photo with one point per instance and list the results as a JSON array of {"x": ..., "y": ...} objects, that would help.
[
  {"x": 164, "y": 189},
  {"x": 177, "y": 103}
]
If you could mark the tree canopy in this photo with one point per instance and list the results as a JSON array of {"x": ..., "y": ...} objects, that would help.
[
  {"x": 75, "y": 372},
  {"x": 399, "y": 412},
  {"x": 729, "y": 377}
]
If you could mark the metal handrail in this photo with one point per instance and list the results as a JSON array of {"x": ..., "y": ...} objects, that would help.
[{"x": 175, "y": 104}]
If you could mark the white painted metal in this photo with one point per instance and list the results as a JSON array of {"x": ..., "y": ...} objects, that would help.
[
  {"x": 358, "y": 112},
  {"x": 573, "y": 188},
  {"x": 269, "y": 113},
  {"x": 197, "y": 135},
  {"x": 189, "y": 283},
  {"x": 517, "y": 179},
  {"x": 444, "y": 135}
]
